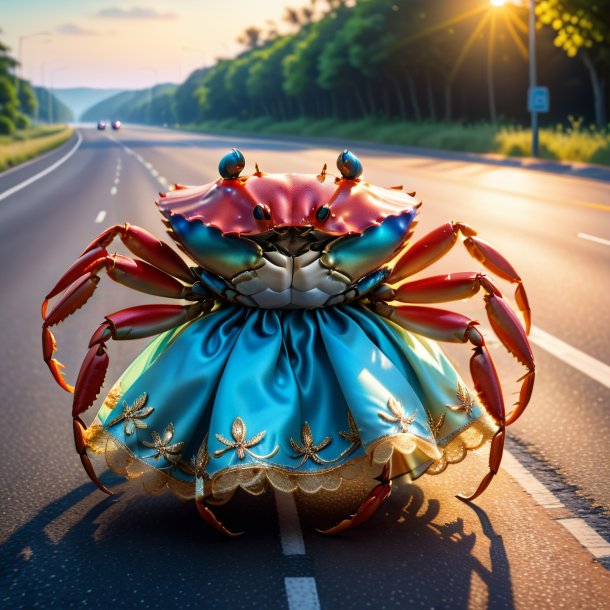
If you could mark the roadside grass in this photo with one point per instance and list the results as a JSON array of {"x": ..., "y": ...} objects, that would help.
[
  {"x": 29, "y": 143},
  {"x": 571, "y": 143}
]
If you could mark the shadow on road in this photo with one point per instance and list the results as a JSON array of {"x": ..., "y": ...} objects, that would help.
[
  {"x": 131, "y": 550},
  {"x": 412, "y": 555}
]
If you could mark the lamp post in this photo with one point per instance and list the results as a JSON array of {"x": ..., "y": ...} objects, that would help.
[
  {"x": 20, "y": 55},
  {"x": 532, "y": 65}
]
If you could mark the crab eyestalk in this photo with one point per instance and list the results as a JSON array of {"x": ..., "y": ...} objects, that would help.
[
  {"x": 231, "y": 165},
  {"x": 349, "y": 165}
]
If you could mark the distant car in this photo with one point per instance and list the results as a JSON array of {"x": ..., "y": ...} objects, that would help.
[
  {"x": 116, "y": 124},
  {"x": 101, "y": 125}
]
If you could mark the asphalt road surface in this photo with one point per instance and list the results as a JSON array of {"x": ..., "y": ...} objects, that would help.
[{"x": 521, "y": 545}]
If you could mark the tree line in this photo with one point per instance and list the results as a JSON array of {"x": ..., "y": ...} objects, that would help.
[
  {"x": 21, "y": 103},
  {"x": 413, "y": 60}
]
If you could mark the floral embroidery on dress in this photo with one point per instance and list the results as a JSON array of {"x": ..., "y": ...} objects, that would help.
[
  {"x": 240, "y": 444},
  {"x": 132, "y": 414},
  {"x": 398, "y": 415}
]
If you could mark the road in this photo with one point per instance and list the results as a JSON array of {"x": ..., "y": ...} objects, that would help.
[{"x": 64, "y": 544}]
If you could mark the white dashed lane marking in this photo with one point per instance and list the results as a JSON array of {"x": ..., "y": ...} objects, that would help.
[
  {"x": 290, "y": 527},
  {"x": 100, "y": 216},
  {"x": 113, "y": 190},
  {"x": 302, "y": 593}
]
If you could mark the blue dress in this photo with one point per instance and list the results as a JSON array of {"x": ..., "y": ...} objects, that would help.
[{"x": 300, "y": 398}]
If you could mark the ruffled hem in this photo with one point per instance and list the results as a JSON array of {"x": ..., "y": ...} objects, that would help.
[{"x": 405, "y": 454}]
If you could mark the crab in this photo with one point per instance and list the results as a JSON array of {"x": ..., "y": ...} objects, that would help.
[{"x": 295, "y": 241}]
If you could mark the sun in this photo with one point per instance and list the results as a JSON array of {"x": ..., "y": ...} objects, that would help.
[{"x": 497, "y": 2}]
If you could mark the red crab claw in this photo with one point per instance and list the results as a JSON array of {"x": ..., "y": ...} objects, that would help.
[
  {"x": 48, "y": 348},
  {"x": 80, "y": 443},
  {"x": 210, "y": 518},
  {"x": 429, "y": 249},
  {"x": 367, "y": 509},
  {"x": 145, "y": 245},
  {"x": 488, "y": 256},
  {"x": 495, "y": 457},
  {"x": 91, "y": 262},
  {"x": 487, "y": 385},
  {"x": 509, "y": 330}
]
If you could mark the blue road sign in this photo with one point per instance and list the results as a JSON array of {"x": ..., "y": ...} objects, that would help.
[{"x": 538, "y": 99}]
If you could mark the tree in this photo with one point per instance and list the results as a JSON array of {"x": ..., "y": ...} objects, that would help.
[
  {"x": 583, "y": 30},
  {"x": 265, "y": 77},
  {"x": 251, "y": 38}
]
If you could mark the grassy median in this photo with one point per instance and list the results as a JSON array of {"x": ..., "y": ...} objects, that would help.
[
  {"x": 562, "y": 143},
  {"x": 29, "y": 143}
]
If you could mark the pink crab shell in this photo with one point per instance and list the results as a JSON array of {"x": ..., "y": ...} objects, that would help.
[{"x": 290, "y": 200}]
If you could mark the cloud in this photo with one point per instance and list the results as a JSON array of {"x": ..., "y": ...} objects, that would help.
[
  {"x": 134, "y": 13},
  {"x": 71, "y": 29}
]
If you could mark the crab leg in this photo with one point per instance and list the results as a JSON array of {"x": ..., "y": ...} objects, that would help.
[
  {"x": 210, "y": 518},
  {"x": 130, "y": 323},
  {"x": 81, "y": 281},
  {"x": 145, "y": 245},
  {"x": 456, "y": 286},
  {"x": 450, "y": 326},
  {"x": 438, "y": 242},
  {"x": 368, "y": 508}
]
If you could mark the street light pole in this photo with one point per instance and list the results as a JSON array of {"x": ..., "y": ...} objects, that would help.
[
  {"x": 532, "y": 64},
  {"x": 20, "y": 56}
]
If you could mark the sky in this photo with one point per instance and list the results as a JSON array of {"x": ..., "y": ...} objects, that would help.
[{"x": 127, "y": 44}]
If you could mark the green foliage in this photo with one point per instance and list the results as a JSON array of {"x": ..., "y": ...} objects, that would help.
[
  {"x": 578, "y": 24},
  {"x": 29, "y": 143},
  {"x": 156, "y": 106},
  {"x": 7, "y": 127}
]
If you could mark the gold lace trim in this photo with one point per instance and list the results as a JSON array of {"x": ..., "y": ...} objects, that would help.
[{"x": 405, "y": 453}]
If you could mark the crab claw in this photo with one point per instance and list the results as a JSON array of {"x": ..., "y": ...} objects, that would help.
[
  {"x": 367, "y": 509},
  {"x": 90, "y": 379},
  {"x": 495, "y": 457},
  {"x": 509, "y": 330},
  {"x": 487, "y": 383},
  {"x": 488, "y": 256},
  {"x": 210, "y": 518},
  {"x": 48, "y": 349},
  {"x": 78, "y": 427},
  {"x": 90, "y": 262}
]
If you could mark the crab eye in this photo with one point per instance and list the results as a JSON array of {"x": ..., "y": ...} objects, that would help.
[
  {"x": 231, "y": 165},
  {"x": 323, "y": 213},
  {"x": 261, "y": 212},
  {"x": 349, "y": 165}
]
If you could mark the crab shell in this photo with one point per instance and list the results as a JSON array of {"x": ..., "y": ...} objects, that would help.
[{"x": 290, "y": 240}]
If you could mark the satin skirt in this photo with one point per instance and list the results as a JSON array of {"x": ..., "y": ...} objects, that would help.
[{"x": 300, "y": 399}]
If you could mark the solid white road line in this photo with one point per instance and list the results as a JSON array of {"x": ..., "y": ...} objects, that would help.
[
  {"x": 44, "y": 172},
  {"x": 582, "y": 362},
  {"x": 100, "y": 216},
  {"x": 532, "y": 486},
  {"x": 597, "y": 240},
  {"x": 290, "y": 527},
  {"x": 302, "y": 593},
  {"x": 587, "y": 536},
  {"x": 579, "y": 528}
]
